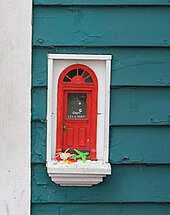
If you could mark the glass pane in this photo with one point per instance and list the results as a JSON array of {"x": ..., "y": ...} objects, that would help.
[
  {"x": 66, "y": 79},
  {"x": 76, "y": 105},
  {"x": 89, "y": 80},
  {"x": 80, "y": 71},
  {"x": 85, "y": 74},
  {"x": 72, "y": 73}
]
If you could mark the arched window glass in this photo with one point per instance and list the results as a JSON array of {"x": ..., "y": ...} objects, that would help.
[{"x": 78, "y": 74}]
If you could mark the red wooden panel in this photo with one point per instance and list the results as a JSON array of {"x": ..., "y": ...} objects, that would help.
[
  {"x": 75, "y": 137},
  {"x": 69, "y": 137},
  {"x": 82, "y": 137}
]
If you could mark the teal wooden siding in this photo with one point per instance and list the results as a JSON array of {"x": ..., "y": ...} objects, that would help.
[
  {"x": 102, "y": 2},
  {"x": 104, "y": 26},
  {"x": 98, "y": 209},
  {"x": 137, "y": 35}
]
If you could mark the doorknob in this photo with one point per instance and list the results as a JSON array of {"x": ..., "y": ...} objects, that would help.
[{"x": 64, "y": 127}]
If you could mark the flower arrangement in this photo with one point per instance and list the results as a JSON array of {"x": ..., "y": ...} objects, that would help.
[{"x": 70, "y": 158}]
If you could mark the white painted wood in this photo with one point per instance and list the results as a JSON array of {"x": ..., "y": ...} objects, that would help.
[
  {"x": 101, "y": 65},
  {"x": 107, "y": 110},
  {"x": 49, "y": 110},
  {"x": 79, "y": 57},
  {"x": 78, "y": 174},
  {"x": 15, "y": 106},
  {"x": 89, "y": 167}
]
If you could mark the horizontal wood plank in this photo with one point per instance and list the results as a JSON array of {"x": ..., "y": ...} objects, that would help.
[
  {"x": 140, "y": 145},
  {"x": 140, "y": 106},
  {"x": 130, "y": 66},
  {"x": 128, "y": 183},
  {"x": 106, "y": 26},
  {"x": 128, "y": 144},
  {"x": 129, "y": 106},
  {"x": 100, "y": 209},
  {"x": 102, "y": 2}
]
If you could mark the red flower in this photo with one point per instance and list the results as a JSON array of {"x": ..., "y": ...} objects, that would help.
[{"x": 57, "y": 158}]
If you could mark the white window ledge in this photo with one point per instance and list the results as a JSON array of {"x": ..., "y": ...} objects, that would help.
[{"x": 78, "y": 174}]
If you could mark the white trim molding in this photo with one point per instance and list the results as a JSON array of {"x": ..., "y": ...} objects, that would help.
[
  {"x": 90, "y": 172},
  {"x": 79, "y": 57},
  {"x": 78, "y": 174}
]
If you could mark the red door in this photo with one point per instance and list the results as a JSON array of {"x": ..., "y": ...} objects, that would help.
[{"x": 77, "y": 110}]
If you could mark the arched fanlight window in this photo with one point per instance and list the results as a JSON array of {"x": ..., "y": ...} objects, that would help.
[{"x": 78, "y": 76}]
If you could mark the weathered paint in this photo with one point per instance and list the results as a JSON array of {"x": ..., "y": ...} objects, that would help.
[
  {"x": 130, "y": 66},
  {"x": 129, "y": 105},
  {"x": 39, "y": 104},
  {"x": 140, "y": 106},
  {"x": 38, "y": 139},
  {"x": 140, "y": 144},
  {"x": 128, "y": 183},
  {"x": 128, "y": 144},
  {"x": 109, "y": 26}
]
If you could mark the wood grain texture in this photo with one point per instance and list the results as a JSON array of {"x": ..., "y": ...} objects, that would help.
[
  {"x": 128, "y": 183},
  {"x": 100, "y": 209},
  {"x": 102, "y": 2},
  {"x": 130, "y": 66},
  {"x": 91, "y": 26},
  {"x": 128, "y": 144}
]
